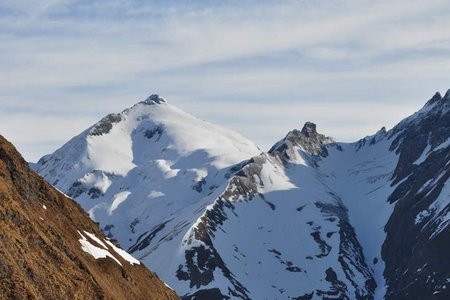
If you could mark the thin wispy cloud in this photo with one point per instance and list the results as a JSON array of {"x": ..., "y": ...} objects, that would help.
[{"x": 83, "y": 59}]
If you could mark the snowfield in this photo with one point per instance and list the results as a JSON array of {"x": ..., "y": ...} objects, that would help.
[{"x": 310, "y": 219}]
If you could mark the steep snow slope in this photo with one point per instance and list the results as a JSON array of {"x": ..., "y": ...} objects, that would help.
[
  {"x": 310, "y": 219},
  {"x": 150, "y": 169},
  {"x": 360, "y": 174},
  {"x": 277, "y": 232},
  {"x": 150, "y": 160}
]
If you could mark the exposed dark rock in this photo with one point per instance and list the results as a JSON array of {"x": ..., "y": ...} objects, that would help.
[
  {"x": 278, "y": 253},
  {"x": 157, "y": 131},
  {"x": 299, "y": 209},
  {"x": 436, "y": 98},
  {"x": 105, "y": 125},
  {"x": 350, "y": 253},
  {"x": 199, "y": 185},
  {"x": 232, "y": 171},
  {"x": 107, "y": 230},
  {"x": 213, "y": 294},
  {"x": 415, "y": 250},
  {"x": 309, "y": 129},
  {"x": 94, "y": 192},
  {"x": 142, "y": 242},
  {"x": 153, "y": 99},
  {"x": 271, "y": 205},
  {"x": 243, "y": 184},
  {"x": 338, "y": 290},
  {"x": 323, "y": 246},
  {"x": 307, "y": 139},
  {"x": 133, "y": 225},
  {"x": 76, "y": 189},
  {"x": 200, "y": 272},
  {"x": 304, "y": 297}
]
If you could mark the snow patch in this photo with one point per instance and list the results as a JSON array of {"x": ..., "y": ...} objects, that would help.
[
  {"x": 274, "y": 178},
  {"x": 421, "y": 215},
  {"x": 97, "y": 240},
  {"x": 98, "y": 181},
  {"x": 165, "y": 167},
  {"x": 116, "y": 146},
  {"x": 168, "y": 286},
  {"x": 95, "y": 251},
  {"x": 155, "y": 194},
  {"x": 117, "y": 200},
  {"x": 124, "y": 254},
  {"x": 423, "y": 156},
  {"x": 443, "y": 145}
]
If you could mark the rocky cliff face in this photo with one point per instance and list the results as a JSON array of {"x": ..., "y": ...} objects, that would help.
[
  {"x": 51, "y": 249},
  {"x": 417, "y": 244}
]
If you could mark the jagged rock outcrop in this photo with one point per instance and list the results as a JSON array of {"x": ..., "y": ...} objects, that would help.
[{"x": 307, "y": 140}]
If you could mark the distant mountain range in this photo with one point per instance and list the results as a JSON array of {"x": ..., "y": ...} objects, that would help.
[{"x": 312, "y": 218}]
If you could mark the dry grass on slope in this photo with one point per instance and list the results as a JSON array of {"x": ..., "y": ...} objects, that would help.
[{"x": 40, "y": 253}]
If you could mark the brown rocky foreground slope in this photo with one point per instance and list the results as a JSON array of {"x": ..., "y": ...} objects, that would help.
[{"x": 48, "y": 243}]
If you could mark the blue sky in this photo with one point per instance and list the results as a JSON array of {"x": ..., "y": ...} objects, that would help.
[{"x": 260, "y": 67}]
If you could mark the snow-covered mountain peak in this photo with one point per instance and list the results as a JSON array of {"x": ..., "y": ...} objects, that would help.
[
  {"x": 447, "y": 95},
  {"x": 435, "y": 110},
  {"x": 151, "y": 157},
  {"x": 150, "y": 131},
  {"x": 106, "y": 124},
  {"x": 436, "y": 103},
  {"x": 436, "y": 98},
  {"x": 380, "y": 134},
  {"x": 183, "y": 135},
  {"x": 154, "y": 99}
]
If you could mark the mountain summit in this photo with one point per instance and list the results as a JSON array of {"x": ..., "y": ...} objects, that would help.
[
  {"x": 310, "y": 219},
  {"x": 154, "y": 99},
  {"x": 151, "y": 159},
  {"x": 309, "y": 129}
]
